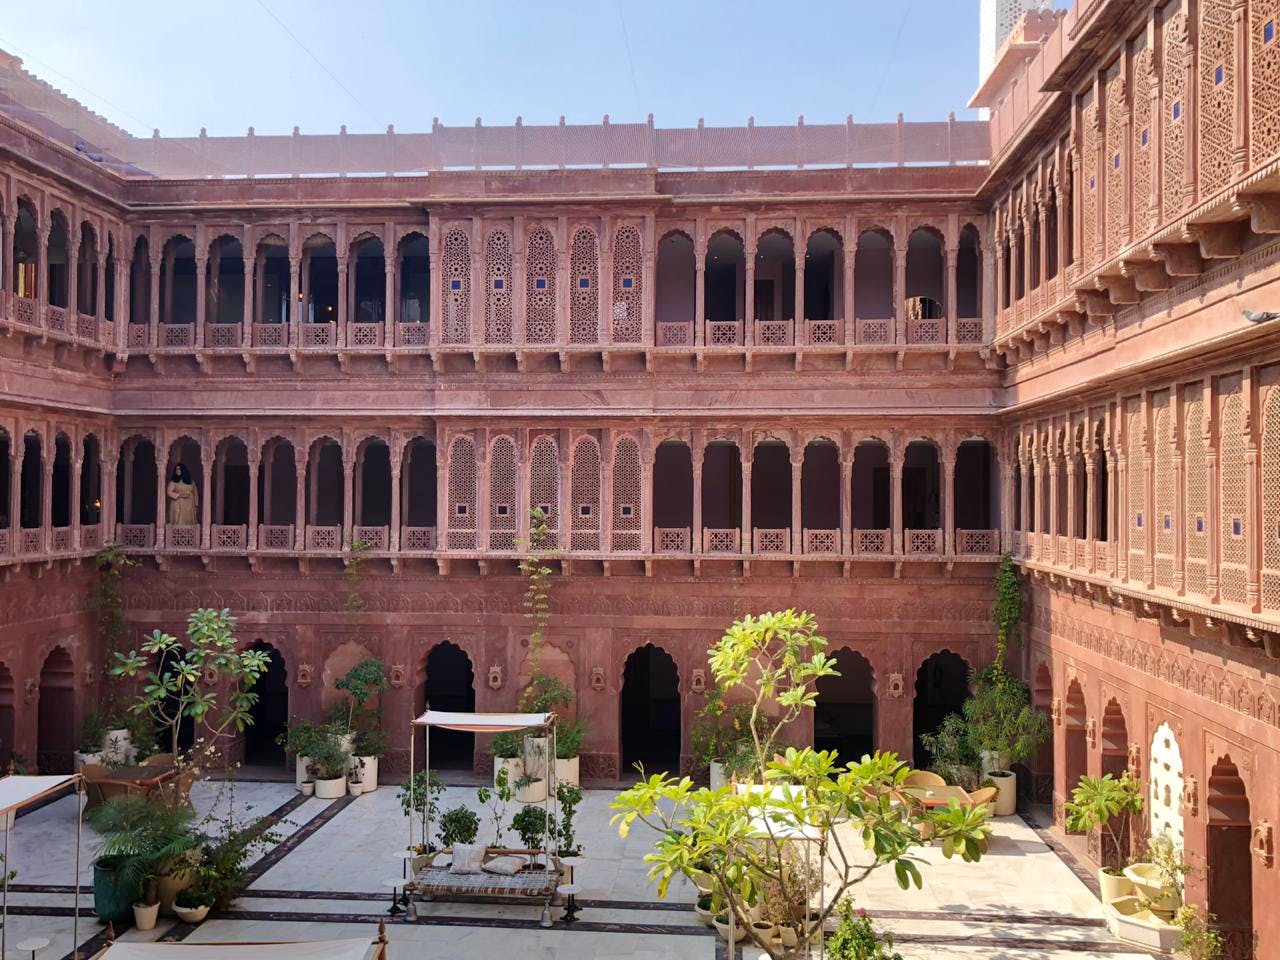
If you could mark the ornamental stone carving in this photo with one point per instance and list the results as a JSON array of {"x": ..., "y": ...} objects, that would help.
[
  {"x": 397, "y": 675},
  {"x": 897, "y": 686},
  {"x": 30, "y": 690},
  {"x": 305, "y": 674},
  {"x": 495, "y": 677},
  {"x": 698, "y": 681},
  {"x": 1055, "y": 711},
  {"x": 1263, "y": 843},
  {"x": 1190, "y": 796},
  {"x": 598, "y": 680}
]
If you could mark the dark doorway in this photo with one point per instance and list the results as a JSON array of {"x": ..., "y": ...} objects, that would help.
[
  {"x": 450, "y": 685},
  {"x": 844, "y": 719},
  {"x": 1229, "y": 861},
  {"x": 56, "y": 714},
  {"x": 1075, "y": 738},
  {"x": 942, "y": 686},
  {"x": 8, "y": 726},
  {"x": 649, "y": 711},
  {"x": 271, "y": 712}
]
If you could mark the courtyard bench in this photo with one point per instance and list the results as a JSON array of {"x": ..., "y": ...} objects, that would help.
[{"x": 432, "y": 879}]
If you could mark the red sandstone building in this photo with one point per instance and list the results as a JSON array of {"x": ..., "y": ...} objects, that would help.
[{"x": 836, "y": 367}]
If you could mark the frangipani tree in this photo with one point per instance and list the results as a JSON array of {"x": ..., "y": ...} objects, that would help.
[
  {"x": 183, "y": 682},
  {"x": 809, "y": 813}
]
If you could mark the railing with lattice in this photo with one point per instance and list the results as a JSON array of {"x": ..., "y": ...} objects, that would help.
[
  {"x": 926, "y": 331},
  {"x": 24, "y": 311},
  {"x": 222, "y": 336},
  {"x": 229, "y": 536},
  {"x": 977, "y": 541},
  {"x": 364, "y": 335},
  {"x": 874, "y": 330},
  {"x": 6, "y": 543},
  {"x": 821, "y": 541},
  {"x": 139, "y": 335},
  {"x": 270, "y": 334},
  {"x": 90, "y": 537},
  {"x": 824, "y": 333},
  {"x": 721, "y": 539},
  {"x": 671, "y": 540},
  {"x": 182, "y": 537},
  {"x": 969, "y": 330},
  {"x": 873, "y": 541},
  {"x": 138, "y": 536},
  {"x": 86, "y": 326},
  {"x": 372, "y": 538},
  {"x": 275, "y": 536},
  {"x": 31, "y": 541},
  {"x": 324, "y": 538},
  {"x": 724, "y": 333},
  {"x": 921, "y": 541},
  {"x": 320, "y": 335},
  {"x": 773, "y": 333},
  {"x": 178, "y": 336},
  {"x": 418, "y": 538},
  {"x": 626, "y": 541},
  {"x": 675, "y": 334},
  {"x": 60, "y": 541},
  {"x": 413, "y": 334},
  {"x": 55, "y": 319},
  {"x": 771, "y": 540}
]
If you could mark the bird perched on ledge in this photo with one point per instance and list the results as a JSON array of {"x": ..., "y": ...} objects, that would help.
[{"x": 1261, "y": 316}]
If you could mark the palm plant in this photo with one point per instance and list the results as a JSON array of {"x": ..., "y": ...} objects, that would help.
[
  {"x": 1098, "y": 801},
  {"x": 144, "y": 839}
]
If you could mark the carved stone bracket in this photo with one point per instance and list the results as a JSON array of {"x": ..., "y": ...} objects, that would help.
[
  {"x": 897, "y": 686},
  {"x": 1091, "y": 732},
  {"x": 397, "y": 675},
  {"x": 598, "y": 679},
  {"x": 1190, "y": 796},
  {"x": 1055, "y": 711},
  {"x": 305, "y": 673},
  {"x": 698, "y": 681},
  {"x": 495, "y": 677},
  {"x": 1263, "y": 843}
]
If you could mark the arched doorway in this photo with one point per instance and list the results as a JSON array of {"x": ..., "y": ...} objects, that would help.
[
  {"x": 1042, "y": 700},
  {"x": 271, "y": 712},
  {"x": 8, "y": 726},
  {"x": 649, "y": 711},
  {"x": 55, "y": 721},
  {"x": 1228, "y": 859},
  {"x": 844, "y": 719},
  {"x": 1115, "y": 761},
  {"x": 942, "y": 686},
  {"x": 450, "y": 685},
  {"x": 1075, "y": 738}
]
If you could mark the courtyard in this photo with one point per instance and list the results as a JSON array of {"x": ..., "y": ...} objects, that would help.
[{"x": 326, "y": 880}]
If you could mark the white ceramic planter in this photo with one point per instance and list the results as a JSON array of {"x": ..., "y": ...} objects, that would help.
[
  {"x": 116, "y": 747},
  {"x": 355, "y": 787},
  {"x": 567, "y": 771},
  {"x": 1149, "y": 886},
  {"x": 718, "y": 778},
  {"x": 536, "y": 751},
  {"x": 706, "y": 916},
  {"x": 369, "y": 774},
  {"x": 83, "y": 759},
  {"x": 347, "y": 743},
  {"x": 191, "y": 914},
  {"x": 331, "y": 789},
  {"x": 145, "y": 916},
  {"x": 1129, "y": 920},
  {"x": 308, "y": 788},
  {"x": 739, "y": 931},
  {"x": 535, "y": 792},
  {"x": 1006, "y": 782},
  {"x": 1113, "y": 886},
  {"x": 300, "y": 771},
  {"x": 169, "y": 886}
]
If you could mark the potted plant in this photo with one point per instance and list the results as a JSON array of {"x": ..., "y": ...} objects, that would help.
[
  {"x": 192, "y": 905},
  {"x": 328, "y": 766},
  {"x": 531, "y": 787},
  {"x": 228, "y": 851},
  {"x": 568, "y": 745},
  {"x": 721, "y": 923},
  {"x": 355, "y": 777},
  {"x": 953, "y": 755},
  {"x": 370, "y": 745},
  {"x": 151, "y": 847},
  {"x": 420, "y": 796},
  {"x": 308, "y": 786},
  {"x": 93, "y": 732},
  {"x": 496, "y": 799},
  {"x": 301, "y": 739},
  {"x": 856, "y": 938},
  {"x": 1095, "y": 803},
  {"x": 1157, "y": 879},
  {"x": 459, "y": 825},
  {"x": 535, "y": 828},
  {"x": 1198, "y": 940},
  {"x": 718, "y": 733},
  {"x": 1005, "y": 728},
  {"x": 568, "y": 796},
  {"x": 114, "y": 892},
  {"x": 363, "y": 683},
  {"x": 704, "y": 907},
  {"x": 506, "y": 749}
]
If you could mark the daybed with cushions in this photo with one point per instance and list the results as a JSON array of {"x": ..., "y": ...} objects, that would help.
[{"x": 492, "y": 872}]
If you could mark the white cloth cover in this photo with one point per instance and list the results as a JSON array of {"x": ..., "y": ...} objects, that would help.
[
  {"x": 305, "y": 950},
  {"x": 507, "y": 866},
  {"x": 482, "y": 722},
  {"x": 17, "y": 792},
  {"x": 467, "y": 857}
]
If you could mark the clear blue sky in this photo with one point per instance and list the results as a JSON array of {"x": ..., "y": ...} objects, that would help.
[{"x": 183, "y": 64}]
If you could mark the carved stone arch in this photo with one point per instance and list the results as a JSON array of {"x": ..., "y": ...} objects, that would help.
[
  {"x": 684, "y": 231},
  {"x": 727, "y": 229},
  {"x": 639, "y": 643},
  {"x": 824, "y": 226},
  {"x": 269, "y": 239},
  {"x": 318, "y": 238}
]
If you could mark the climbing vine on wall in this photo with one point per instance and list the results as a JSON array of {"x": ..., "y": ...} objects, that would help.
[
  {"x": 536, "y": 568},
  {"x": 354, "y": 572},
  {"x": 1007, "y": 611}
]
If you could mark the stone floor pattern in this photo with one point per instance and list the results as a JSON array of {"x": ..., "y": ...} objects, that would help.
[{"x": 326, "y": 879}]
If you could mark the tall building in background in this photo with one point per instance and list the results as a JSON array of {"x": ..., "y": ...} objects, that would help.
[{"x": 996, "y": 20}]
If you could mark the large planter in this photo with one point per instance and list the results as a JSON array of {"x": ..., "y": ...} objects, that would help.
[
  {"x": 1150, "y": 887},
  {"x": 331, "y": 789},
  {"x": 739, "y": 931},
  {"x": 514, "y": 767},
  {"x": 113, "y": 896},
  {"x": 1129, "y": 920},
  {"x": 368, "y": 773},
  {"x": 535, "y": 792},
  {"x": 144, "y": 915},
  {"x": 347, "y": 743},
  {"x": 718, "y": 777},
  {"x": 300, "y": 771},
  {"x": 567, "y": 771},
  {"x": 169, "y": 886},
  {"x": 191, "y": 914},
  {"x": 1006, "y": 782},
  {"x": 536, "y": 752},
  {"x": 1113, "y": 886}
]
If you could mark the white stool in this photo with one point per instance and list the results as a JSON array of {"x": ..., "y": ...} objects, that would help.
[
  {"x": 570, "y": 892},
  {"x": 32, "y": 944}
]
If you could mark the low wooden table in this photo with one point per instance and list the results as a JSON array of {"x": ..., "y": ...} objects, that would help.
[{"x": 938, "y": 796}]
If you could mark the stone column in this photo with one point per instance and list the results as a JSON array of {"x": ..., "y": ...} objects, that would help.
[
  {"x": 202, "y": 305},
  {"x": 1042, "y": 249},
  {"x": 700, "y": 297},
  {"x": 1004, "y": 516},
  {"x": 1113, "y": 512},
  {"x": 950, "y": 310},
  {"x": 799, "y": 335},
  {"x": 604, "y": 283},
  {"x": 748, "y": 454},
  {"x": 154, "y": 334},
  {"x": 749, "y": 290},
  {"x": 40, "y": 293},
  {"x": 899, "y": 286},
  {"x": 1001, "y": 280},
  {"x": 390, "y": 271},
  {"x": 563, "y": 293},
  {"x": 340, "y": 334},
  {"x": 301, "y": 515},
  {"x": 100, "y": 293},
  {"x": 1052, "y": 503},
  {"x": 649, "y": 280},
  {"x": 1252, "y": 512},
  {"x": 1024, "y": 499},
  {"x": 206, "y": 501},
  {"x": 479, "y": 292},
  {"x": 519, "y": 281},
  {"x": 646, "y": 492},
  {"x": 19, "y": 449},
  {"x": 162, "y": 498},
  {"x": 128, "y": 455},
  {"x": 77, "y": 494},
  {"x": 797, "y": 506},
  {"x": 948, "y": 500},
  {"x": 1121, "y": 505},
  {"x": 1148, "y": 483},
  {"x": 434, "y": 316},
  {"x": 442, "y": 494},
  {"x": 1072, "y": 480},
  {"x": 850, "y": 255},
  {"x": 295, "y": 320},
  {"x": 1091, "y": 502},
  {"x": 166, "y": 265},
  {"x": 254, "y": 467},
  {"x": 73, "y": 280},
  {"x": 247, "y": 317},
  {"x": 394, "y": 540},
  {"x": 895, "y": 495},
  {"x": 606, "y": 495},
  {"x": 348, "y": 497},
  {"x": 846, "y": 498},
  {"x": 696, "y": 452},
  {"x": 1179, "y": 497},
  {"x": 110, "y": 466}
]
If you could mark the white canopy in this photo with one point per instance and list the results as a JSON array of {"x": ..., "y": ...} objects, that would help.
[
  {"x": 483, "y": 722},
  {"x": 303, "y": 950},
  {"x": 17, "y": 792}
]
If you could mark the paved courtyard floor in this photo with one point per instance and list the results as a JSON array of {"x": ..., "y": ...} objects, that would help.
[{"x": 325, "y": 880}]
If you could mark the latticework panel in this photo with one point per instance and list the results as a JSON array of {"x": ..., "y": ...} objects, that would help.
[
  {"x": 462, "y": 494},
  {"x": 584, "y": 298},
  {"x": 1173, "y": 122},
  {"x": 1137, "y": 491},
  {"x": 1113, "y": 161},
  {"x": 455, "y": 287},
  {"x": 1140, "y": 144},
  {"x": 584, "y": 495},
  {"x": 1195, "y": 486},
  {"x": 1165, "y": 508},
  {"x": 1216, "y": 107},
  {"x": 544, "y": 481},
  {"x": 540, "y": 288},
  {"x": 626, "y": 495},
  {"x": 1089, "y": 195},
  {"x": 1271, "y": 501},
  {"x": 1264, "y": 79},
  {"x": 497, "y": 271},
  {"x": 628, "y": 299},
  {"x": 1233, "y": 497},
  {"x": 503, "y": 503}
]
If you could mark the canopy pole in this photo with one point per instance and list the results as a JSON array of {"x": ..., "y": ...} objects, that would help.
[
  {"x": 4, "y": 924},
  {"x": 413, "y": 735},
  {"x": 75, "y": 910},
  {"x": 426, "y": 779}
]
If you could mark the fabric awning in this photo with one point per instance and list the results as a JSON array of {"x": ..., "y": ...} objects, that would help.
[
  {"x": 483, "y": 722},
  {"x": 17, "y": 792},
  {"x": 303, "y": 950}
]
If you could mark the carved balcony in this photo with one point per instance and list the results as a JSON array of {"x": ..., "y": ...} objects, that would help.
[
  {"x": 24, "y": 311},
  {"x": 230, "y": 537},
  {"x": 362, "y": 335},
  {"x": 177, "y": 336},
  {"x": 721, "y": 539},
  {"x": 324, "y": 538},
  {"x": 6, "y": 542},
  {"x": 969, "y": 330},
  {"x": 766, "y": 540},
  {"x": 822, "y": 541},
  {"x": 922, "y": 541},
  {"x": 320, "y": 335},
  {"x": 86, "y": 326},
  {"x": 270, "y": 334},
  {"x": 55, "y": 319},
  {"x": 182, "y": 537},
  {"x": 138, "y": 337},
  {"x": 137, "y": 536},
  {"x": 373, "y": 538},
  {"x": 874, "y": 330},
  {"x": 873, "y": 541},
  {"x": 977, "y": 542},
  {"x": 275, "y": 536},
  {"x": 417, "y": 539},
  {"x": 724, "y": 333},
  {"x": 774, "y": 333},
  {"x": 60, "y": 540},
  {"x": 90, "y": 537},
  {"x": 222, "y": 336},
  {"x": 824, "y": 333},
  {"x": 674, "y": 334},
  {"x": 671, "y": 540},
  {"x": 413, "y": 334},
  {"x": 31, "y": 542},
  {"x": 927, "y": 331}
]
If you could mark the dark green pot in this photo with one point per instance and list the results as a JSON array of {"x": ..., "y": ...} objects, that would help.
[{"x": 113, "y": 896}]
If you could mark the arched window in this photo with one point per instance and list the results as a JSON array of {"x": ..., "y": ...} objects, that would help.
[
  {"x": 627, "y": 308},
  {"x": 584, "y": 495},
  {"x": 455, "y": 287},
  {"x": 627, "y": 506},
  {"x": 497, "y": 294},
  {"x": 873, "y": 294},
  {"x": 926, "y": 286},
  {"x": 544, "y": 485},
  {"x": 503, "y": 496},
  {"x": 462, "y": 494},
  {"x": 540, "y": 287},
  {"x": 675, "y": 294},
  {"x": 584, "y": 295}
]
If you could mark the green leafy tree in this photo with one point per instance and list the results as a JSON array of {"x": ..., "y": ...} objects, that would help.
[
  {"x": 183, "y": 683},
  {"x": 1098, "y": 802},
  {"x": 855, "y": 818},
  {"x": 496, "y": 799},
  {"x": 364, "y": 682}
]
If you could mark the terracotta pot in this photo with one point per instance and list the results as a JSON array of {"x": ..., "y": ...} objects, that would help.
[
  {"x": 1113, "y": 886},
  {"x": 145, "y": 915},
  {"x": 1006, "y": 802},
  {"x": 331, "y": 789},
  {"x": 191, "y": 914},
  {"x": 567, "y": 771}
]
